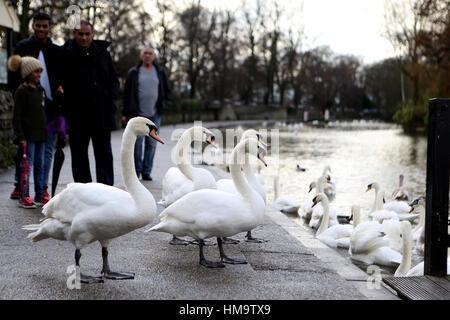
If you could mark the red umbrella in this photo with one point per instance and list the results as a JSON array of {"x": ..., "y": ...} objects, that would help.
[{"x": 24, "y": 165}]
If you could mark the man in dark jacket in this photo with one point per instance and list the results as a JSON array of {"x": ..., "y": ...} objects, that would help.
[
  {"x": 41, "y": 47},
  {"x": 90, "y": 85},
  {"x": 146, "y": 93}
]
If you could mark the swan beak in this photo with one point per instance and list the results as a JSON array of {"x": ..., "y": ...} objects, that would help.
[
  {"x": 412, "y": 209},
  {"x": 314, "y": 203},
  {"x": 155, "y": 136},
  {"x": 368, "y": 188},
  {"x": 309, "y": 189},
  {"x": 210, "y": 140},
  {"x": 261, "y": 157}
]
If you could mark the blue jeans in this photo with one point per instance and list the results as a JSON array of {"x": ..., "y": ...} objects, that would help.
[
  {"x": 144, "y": 165},
  {"x": 35, "y": 156},
  {"x": 48, "y": 157}
]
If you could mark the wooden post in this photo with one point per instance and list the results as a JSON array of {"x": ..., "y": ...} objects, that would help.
[{"x": 438, "y": 163}]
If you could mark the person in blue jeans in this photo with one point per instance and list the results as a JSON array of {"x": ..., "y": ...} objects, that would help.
[
  {"x": 40, "y": 46},
  {"x": 29, "y": 121},
  {"x": 146, "y": 92}
]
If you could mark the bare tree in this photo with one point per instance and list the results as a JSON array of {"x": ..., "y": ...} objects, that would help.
[{"x": 197, "y": 26}]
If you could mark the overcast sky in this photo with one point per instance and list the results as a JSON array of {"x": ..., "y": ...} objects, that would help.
[{"x": 347, "y": 26}]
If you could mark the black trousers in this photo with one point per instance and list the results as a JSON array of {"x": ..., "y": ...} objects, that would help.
[{"x": 79, "y": 138}]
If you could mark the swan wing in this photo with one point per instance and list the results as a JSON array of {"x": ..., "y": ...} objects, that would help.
[
  {"x": 206, "y": 213},
  {"x": 203, "y": 179},
  {"x": 81, "y": 197},
  {"x": 367, "y": 237},
  {"x": 227, "y": 185},
  {"x": 397, "y": 206}
]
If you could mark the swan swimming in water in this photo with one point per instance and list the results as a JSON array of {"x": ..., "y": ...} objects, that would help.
[
  {"x": 186, "y": 178},
  {"x": 402, "y": 193},
  {"x": 381, "y": 212},
  {"x": 337, "y": 235},
  {"x": 87, "y": 212},
  {"x": 207, "y": 213}
]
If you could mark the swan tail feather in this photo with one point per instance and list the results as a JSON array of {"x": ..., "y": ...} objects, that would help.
[{"x": 37, "y": 236}]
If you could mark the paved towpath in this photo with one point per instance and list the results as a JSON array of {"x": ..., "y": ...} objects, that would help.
[{"x": 292, "y": 265}]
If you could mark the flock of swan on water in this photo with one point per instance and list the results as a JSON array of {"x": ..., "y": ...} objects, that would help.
[
  {"x": 383, "y": 236},
  {"x": 199, "y": 207}
]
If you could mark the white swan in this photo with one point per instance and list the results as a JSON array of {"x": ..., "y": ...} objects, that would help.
[
  {"x": 84, "y": 213},
  {"x": 337, "y": 235},
  {"x": 369, "y": 245},
  {"x": 210, "y": 213},
  {"x": 381, "y": 212},
  {"x": 287, "y": 203},
  {"x": 402, "y": 192},
  {"x": 317, "y": 210},
  {"x": 330, "y": 184},
  {"x": 227, "y": 185},
  {"x": 186, "y": 178},
  {"x": 404, "y": 269}
]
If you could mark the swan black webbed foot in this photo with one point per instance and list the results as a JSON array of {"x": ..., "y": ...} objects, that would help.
[
  {"x": 226, "y": 240},
  {"x": 108, "y": 274},
  {"x": 206, "y": 263},
  {"x": 85, "y": 278},
  {"x": 179, "y": 242},
  {"x": 224, "y": 258},
  {"x": 249, "y": 238}
]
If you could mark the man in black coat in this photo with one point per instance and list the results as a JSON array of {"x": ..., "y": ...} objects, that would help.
[
  {"x": 90, "y": 85},
  {"x": 41, "y": 47}
]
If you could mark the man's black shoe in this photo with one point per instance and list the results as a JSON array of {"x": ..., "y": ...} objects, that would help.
[{"x": 146, "y": 177}]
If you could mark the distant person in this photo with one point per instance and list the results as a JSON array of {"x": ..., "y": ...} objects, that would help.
[
  {"x": 29, "y": 123},
  {"x": 90, "y": 85},
  {"x": 146, "y": 92},
  {"x": 41, "y": 47}
]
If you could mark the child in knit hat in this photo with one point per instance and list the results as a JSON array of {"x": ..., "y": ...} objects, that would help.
[{"x": 29, "y": 124}]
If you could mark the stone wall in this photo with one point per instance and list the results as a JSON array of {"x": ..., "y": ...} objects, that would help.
[{"x": 7, "y": 148}]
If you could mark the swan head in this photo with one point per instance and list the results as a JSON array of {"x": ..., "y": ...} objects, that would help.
[
  {"x": 143, "y": 126},
  {"x": 373, "y": 185},
  {"x": 252, "y": 133},
  {"x": 319, "y": 198},
  {"x": 326, "y": 169},
  {"x": 199, "y": 133},
  {"x": 419, "y": 202},
  {"x": 256, "y": 148}
]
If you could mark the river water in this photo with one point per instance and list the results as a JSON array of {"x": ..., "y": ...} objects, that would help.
[{"x": 358, "y": 152}]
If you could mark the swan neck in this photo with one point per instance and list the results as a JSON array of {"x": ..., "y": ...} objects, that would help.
[
  {"x": 356, "y": 217},
  {"x": 325, "y": 216},
  {"x": 137, "y": 191},
  {"x": 239, "y": 180},
  {"x": 405, "y": 265},
  {"x": 182, "y": 155},
  {"x": 248, "y": 170},
  {"x": 378, "y": 199}
]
